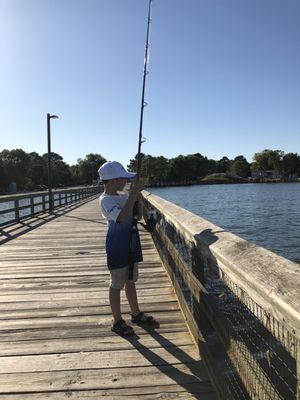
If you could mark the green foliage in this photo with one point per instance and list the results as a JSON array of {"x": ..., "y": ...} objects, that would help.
[
  {"x": 223, "y": 164},
  {"x": 15, "y": 164},
  {"x": 268, "y": 160},
  {"x": 239, "y": 167},
  {"x": 195, "y": 167},
  {"x": 86, "y": 169},
  {"x": 30, "y": 170},
  {"x": 60, "y": 170},
  {"x": 291, "y": 164}
]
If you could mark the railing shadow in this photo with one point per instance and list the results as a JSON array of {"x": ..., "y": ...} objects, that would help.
[{"x": 196, "y": 382}]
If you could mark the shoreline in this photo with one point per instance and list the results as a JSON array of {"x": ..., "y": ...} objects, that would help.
[{"x": 193, "y": 183}]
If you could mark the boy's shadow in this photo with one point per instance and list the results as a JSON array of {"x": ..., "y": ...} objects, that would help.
[{"x": 196, "y": 383}]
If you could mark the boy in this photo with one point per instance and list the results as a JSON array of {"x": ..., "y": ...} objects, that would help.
[{"x": 117, "y": 207}]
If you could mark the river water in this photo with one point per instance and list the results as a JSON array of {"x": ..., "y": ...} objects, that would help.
[{"x": 267, "y": 214}]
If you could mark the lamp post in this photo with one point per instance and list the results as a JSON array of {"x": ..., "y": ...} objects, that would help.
[{"x": 49, "y": 161}]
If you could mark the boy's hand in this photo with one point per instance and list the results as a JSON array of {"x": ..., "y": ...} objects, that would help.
[{"x": 136, "y": 188}]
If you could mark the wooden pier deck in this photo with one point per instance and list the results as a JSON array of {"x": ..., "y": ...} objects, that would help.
[{"x": 55, "y": 338}]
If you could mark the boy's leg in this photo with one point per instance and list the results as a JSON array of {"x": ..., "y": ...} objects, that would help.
[
  {"x": 136, "y": 315},
  {"x": 117, "y": 282},
  {"x": 131, "y": 295},
  {"x": 114, "y": 299}
]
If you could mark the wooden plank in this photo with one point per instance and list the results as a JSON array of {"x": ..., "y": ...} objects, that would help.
[
  {"x": 54, "y": 295},
  {"x": 81, "y": 331},
  {"x": 93, "y": 343},
  {"x": 149, "y": 302},
  {"x": 90, "y": 379},
  {"x": 80, "y": 310},
  {"x": 174, "y": 316},
  {"x": 187, "y": 391},
  {"x": 99, "y": 359}
]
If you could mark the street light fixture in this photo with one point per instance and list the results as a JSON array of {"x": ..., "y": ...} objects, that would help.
[{"x": 49, "y": 161}]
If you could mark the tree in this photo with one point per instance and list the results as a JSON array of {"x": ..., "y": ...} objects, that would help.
[
  {"x": 132, "y": 166},
  {"x": 87, "y": 168},
  {"x": 186, "y": 168},
  {"x": 60, "y": 171},
  {"x": 223, "y": 165},
  {"x": 240, "y": 167},
  {"x": 15, "y": 164},
  {"x": 37, "y": 169},
  {"x": 3, "y": 178},
  {"x": 291, "y": 164},
  {"x": 154, "y": 169},
  {"x": 268, "y": 160}
]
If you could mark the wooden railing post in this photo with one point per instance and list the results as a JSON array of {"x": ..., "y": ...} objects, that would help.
[
  {"x": 44, "y": 203},
  {"x": 17, "y": 211},
  {"x": 32, "y": 205}
]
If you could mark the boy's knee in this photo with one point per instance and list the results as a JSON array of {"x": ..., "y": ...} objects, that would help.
[
  {"x": 114, "y": 289},
  {"x": 129, "y": 284}
]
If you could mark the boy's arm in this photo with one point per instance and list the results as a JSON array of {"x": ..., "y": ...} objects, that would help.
[{"x": 127, "y": 210}]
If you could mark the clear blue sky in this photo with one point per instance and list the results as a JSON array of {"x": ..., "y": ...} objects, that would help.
[{"x": 224, "y": 76}]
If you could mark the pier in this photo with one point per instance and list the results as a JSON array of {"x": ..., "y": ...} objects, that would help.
[
  {"x": 228, "y": 311},
  {"x": 55, "y": 318}
]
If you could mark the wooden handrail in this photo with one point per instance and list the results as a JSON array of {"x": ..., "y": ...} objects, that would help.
[
  {"x": 61, "y": 197},
  {"x": 237, "y": 297}
]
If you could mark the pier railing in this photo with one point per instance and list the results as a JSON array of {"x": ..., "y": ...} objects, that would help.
[
  {"x": 17, "y": 207},
  {"x": 241, "y": 303}
]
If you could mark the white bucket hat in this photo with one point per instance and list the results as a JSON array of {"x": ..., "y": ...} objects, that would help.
[{"x": 114, "y": 170}]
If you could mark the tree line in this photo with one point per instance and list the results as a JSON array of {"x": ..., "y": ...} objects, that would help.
[
  {"x": 29, "y": 170},
  {"x": 194, "y": 167}
]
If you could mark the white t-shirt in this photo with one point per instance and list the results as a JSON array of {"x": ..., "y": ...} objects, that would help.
[{"x": 112, "y": 205}]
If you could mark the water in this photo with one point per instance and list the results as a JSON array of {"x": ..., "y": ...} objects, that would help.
[{"x": 267, "y": 214}]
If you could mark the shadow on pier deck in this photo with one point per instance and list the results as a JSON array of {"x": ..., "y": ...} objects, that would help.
[{"x": 55, "y": 321}]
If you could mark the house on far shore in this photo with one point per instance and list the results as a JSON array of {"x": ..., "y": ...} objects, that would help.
[
  {"x": 267, "y": 175},
  {"x": 272, "y": 176}
]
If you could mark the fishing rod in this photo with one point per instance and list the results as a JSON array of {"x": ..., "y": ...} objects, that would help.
[
  {"x": 141, "y": 139},
  {"x": 143, "y": 103}
]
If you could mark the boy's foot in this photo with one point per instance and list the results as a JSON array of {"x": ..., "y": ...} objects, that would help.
[
  {"x": 121, "y": 328},
  {"x": 144, "y": 319}
]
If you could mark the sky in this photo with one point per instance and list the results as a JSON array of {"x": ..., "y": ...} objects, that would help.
[{"x": 224, "y": 77}]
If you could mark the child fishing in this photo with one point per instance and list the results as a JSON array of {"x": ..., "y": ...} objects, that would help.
[
  {"x": 117, "y": 207},
  {"x": 123, "y": 245}
]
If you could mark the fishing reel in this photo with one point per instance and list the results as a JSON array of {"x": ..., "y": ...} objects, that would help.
[{"x": 151, "y": 220}]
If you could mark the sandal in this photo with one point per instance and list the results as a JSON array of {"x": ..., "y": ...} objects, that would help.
[
  {"x": 144, "y": 319},
  {"x": 121, "y": 328}
]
